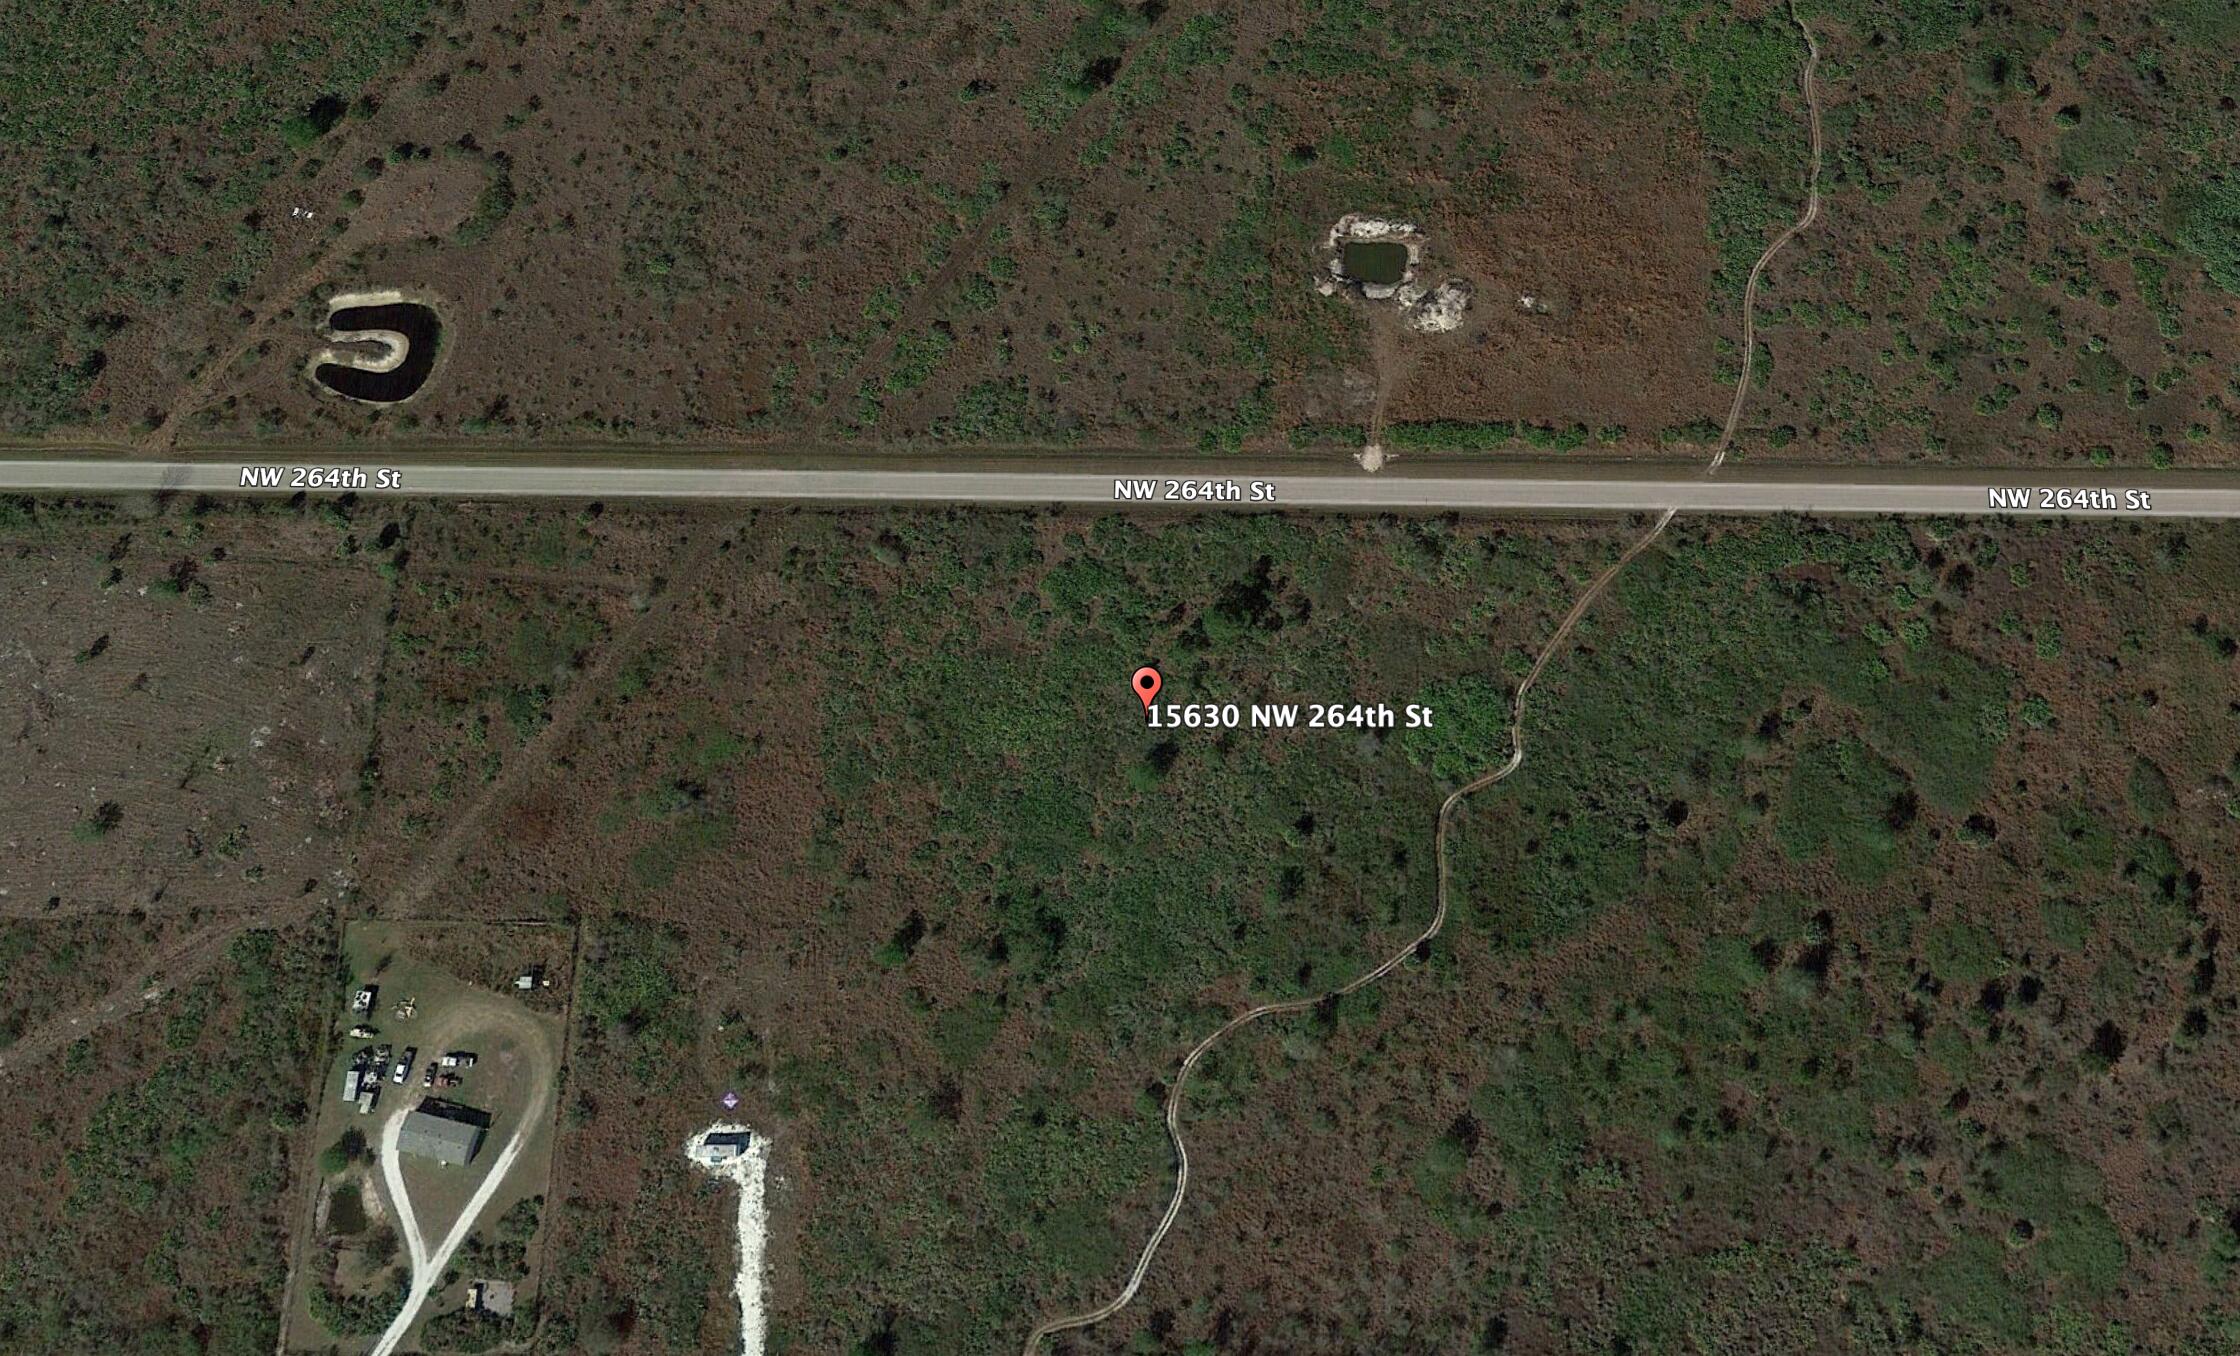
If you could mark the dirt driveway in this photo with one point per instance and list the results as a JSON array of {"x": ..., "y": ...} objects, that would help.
[{"x": 476, "y": 1019}]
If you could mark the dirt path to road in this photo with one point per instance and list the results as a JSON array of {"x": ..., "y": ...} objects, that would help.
[
  {"x": 1556, "y": 643},
  {"x": 174, "y": 966}
]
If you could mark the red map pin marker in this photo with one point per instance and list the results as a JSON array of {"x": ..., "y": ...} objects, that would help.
[{"x": 1146, "y": 683}]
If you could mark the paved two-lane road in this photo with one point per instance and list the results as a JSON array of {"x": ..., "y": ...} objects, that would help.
[{"x": 1115, "y": 481}]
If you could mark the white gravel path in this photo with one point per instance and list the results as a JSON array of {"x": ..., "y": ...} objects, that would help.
[
  {"x": 748, "y": 1170},
  {"x": 427, "y": 1267}
]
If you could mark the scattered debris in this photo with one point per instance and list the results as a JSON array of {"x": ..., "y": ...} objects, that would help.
[
  {"x": 362, "y": 1080},
  {"x": 1440, "y": 310}
]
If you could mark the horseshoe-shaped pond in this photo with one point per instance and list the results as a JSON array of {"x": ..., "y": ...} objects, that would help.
[{"x": 409, "y": 332}]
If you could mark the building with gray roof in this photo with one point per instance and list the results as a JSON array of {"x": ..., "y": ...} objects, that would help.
[{"x": 442, "y": 1132}]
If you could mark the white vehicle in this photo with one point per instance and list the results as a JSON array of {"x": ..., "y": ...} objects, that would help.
[{"x": 403, "y": 1069}]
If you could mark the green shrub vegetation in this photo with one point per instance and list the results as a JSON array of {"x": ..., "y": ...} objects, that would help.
[
  {"x": 1843, "y": 800},
  {"x": 184, "y": 1163},
  {"x": 2208, "y": 216},
  {"x": 348, "y": 1148},
  {"x": 632, "y": 1000},
  {"x": 1447, "y": 435},
  {"x": 1694, "y": 634},
  {"x": 363, "y": 1314},
  {"x": 251, "y": 107}
]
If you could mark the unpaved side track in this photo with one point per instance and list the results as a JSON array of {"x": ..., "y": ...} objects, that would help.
[
  {"x": 1454, "y": 801},
  {"x": 174, "y": 968}
]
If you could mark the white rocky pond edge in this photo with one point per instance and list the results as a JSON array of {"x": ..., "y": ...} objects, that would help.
[
  {"x": 391, "y": 341},
  {"x": 1424, "y": 309}
]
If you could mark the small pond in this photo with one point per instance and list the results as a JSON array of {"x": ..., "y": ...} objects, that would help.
[
  {"x": 421, "y": 331},
  {"x": 1374, "y": 261},
  {"x": 346, "y": 1210}
]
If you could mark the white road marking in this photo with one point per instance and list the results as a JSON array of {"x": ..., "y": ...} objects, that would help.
[{"x": 1421, "y": 486}]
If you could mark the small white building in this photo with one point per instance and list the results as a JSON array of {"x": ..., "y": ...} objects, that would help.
[{"x": 718, "y": 1147}]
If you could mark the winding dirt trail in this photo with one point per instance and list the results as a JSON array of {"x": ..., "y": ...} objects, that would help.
[{"x": 1556, "y": 642}]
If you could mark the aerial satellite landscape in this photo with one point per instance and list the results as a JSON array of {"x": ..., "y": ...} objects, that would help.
[{"x": 1104, "y": 678}]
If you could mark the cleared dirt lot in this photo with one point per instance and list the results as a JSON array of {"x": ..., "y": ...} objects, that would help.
[
  {"x": 459, "y": 979},
  {"x": 188, "y": 715}
]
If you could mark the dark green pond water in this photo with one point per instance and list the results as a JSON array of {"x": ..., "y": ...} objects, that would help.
[
  {"x": 1374, "y": 261},
  {"x": 421, "y": 331},
  {"x": 346, "y": 1213}
]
